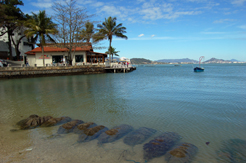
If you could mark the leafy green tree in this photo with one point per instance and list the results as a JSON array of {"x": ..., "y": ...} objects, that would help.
[
  {"x": 42, "y": 28},
  {"x": 108, "y": 29},
  {"x": 11, "y": 13},
  {"x": 112, "y": 51}
]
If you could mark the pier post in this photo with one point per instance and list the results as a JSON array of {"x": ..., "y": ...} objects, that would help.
[
  {"x": 124, "y": 70},
  {"x": 114, "y": 70}
]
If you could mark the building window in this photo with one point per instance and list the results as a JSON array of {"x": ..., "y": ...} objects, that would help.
[
  {"x": 57, "y": 59},
  {"x": 79, "y": 58}
]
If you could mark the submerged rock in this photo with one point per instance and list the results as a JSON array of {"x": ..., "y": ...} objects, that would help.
[
  {"x": 114, "y": 134},
  {"x": 56, "y": 121},
  {"x": 91, "y": 133},
  {"x": 68, "y": 127},
  {"x": 183, "y": 153},
  {"x": 160, "y": 145},
  {"x": 81, "y": 127},
  {"x": 233, "y": 151},
  {"x": 138, "y": 136},
  {"x": 32, "y": 121}
]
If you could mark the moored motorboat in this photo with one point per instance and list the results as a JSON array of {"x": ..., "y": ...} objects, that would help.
[{"x": 199, "y": 69}]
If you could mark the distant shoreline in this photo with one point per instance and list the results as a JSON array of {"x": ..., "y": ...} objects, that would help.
[{"x": 163, "y": 63}]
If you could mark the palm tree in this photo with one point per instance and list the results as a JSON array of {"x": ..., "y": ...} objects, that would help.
[
  {"x": 41, "y": 27},
  {"x": 112, "y": 51},
  {"x": 88, "y": 33},
  {"x": 108, "y": 29}
]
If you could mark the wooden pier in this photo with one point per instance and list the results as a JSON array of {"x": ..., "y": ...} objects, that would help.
[{"x": 119, "y": 70}]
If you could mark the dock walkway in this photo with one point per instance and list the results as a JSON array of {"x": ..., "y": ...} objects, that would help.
[{"x": 118, "y": 68}]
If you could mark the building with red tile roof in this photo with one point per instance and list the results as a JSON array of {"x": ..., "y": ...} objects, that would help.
[{"x": 54, "y": 55}]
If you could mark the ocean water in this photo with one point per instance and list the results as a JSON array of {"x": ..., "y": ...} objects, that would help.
[{"x": 201, "y": 107}]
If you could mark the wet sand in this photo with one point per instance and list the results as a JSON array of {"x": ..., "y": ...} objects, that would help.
[{"x": 34, "y": 146}]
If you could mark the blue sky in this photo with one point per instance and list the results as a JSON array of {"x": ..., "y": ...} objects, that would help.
[{"x": 170, "y": 29}]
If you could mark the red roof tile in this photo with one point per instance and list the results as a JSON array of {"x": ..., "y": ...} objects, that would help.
[{"x": 56, "y": 49}]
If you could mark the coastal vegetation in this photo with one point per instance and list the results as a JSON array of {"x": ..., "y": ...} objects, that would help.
[
  {"x": 108, "y": 29},
  {"x": 11, "y": 18},
  {"x": 70, "y": 20},
  {"x": 112, "y": 51},
  {"x": 42, "y": 28},
  {"x": 87, "y": 34},
  {"x": 140, "y": 61},
  {"x": 70, "y": 27}
]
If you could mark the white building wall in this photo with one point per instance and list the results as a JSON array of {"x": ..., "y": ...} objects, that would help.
[
  {"x": 31, "y": 60},
  {"x": 38, "y": 58},
  {"x": 23, "y": 46}
]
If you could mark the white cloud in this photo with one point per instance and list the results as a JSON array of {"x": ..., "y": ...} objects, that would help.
[
  {"x": 238, "y": 2},
  {"x": 199, "y": 1},
  {"x": 42, "y": 3},
  {"x": 242, "y": 26},
  {"x": 223, "y": 20},
  {"x": 111, "y": 10},
  {"x": 154, "y": 38},
  {"x": 212, "y": 33},
  {"x": 152, "y": 35},
  {"x": 141, "y": 35},
  {"x": 98, "y": 4}
]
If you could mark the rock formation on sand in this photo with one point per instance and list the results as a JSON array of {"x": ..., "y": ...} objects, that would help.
[
  {"x": 91, "y": 133},
  {"x": 160, "y": 145},
  {"x": 114, "y": 134},
  {"x": 68, "y": 127},
  {"x": 138, "y": 136},
  {"x": 32, "y": 121},
  {"x": 183, "y": 153}
]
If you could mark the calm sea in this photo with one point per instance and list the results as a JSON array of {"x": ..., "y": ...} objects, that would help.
[{"x": 202, "y": 107}]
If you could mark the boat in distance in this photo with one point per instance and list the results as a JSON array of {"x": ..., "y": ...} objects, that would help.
[{"x": 199, "y": 69}]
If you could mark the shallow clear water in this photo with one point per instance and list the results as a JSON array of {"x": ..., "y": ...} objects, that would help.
[{"x": 201, "y": 107}]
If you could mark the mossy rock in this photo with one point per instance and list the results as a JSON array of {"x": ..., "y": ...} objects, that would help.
[
  {"x": 160, "y": 145},
  {"x": 69, "y": 126},
  {"x": 183, "y": 153},
  {"x": 56, "y": 121},
  {"x": 112, "y": 131},
  {"x": 232, "y": 151},
  {"x": 138, "y": 136},
  {"x": 114, "y": 134},
  {"x": 91, "y": 133},
  {"x": 32, "y": 121},
  {"x": 81, "y": 127}
]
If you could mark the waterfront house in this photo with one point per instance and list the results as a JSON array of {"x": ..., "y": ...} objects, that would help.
[
  {"x": 24, "y": 46},
  {"x": 55, "y": 55}
]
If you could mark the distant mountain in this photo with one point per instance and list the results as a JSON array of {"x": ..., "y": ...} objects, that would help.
[
  {"x": 177, "y": 60},
  {"x": 215, "y": 60},
  {"x": 234, "y": 60},
  {"x": 140, "y": 61}
]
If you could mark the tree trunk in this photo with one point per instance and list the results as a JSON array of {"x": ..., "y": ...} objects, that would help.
[
  {"x": 9, "y": 44},
  {"x": 110, "y": 49},
  {"x": 69, "y": 57},
  {"x": 17, "y": 51},
  {"x": 43, "y": 54}
]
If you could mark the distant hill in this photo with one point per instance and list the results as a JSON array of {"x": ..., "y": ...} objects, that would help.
[
  {"x": 215, "y": 60},
  {"x": 140, "y": 61},
  {"x": 234, "y": 60},
  {"x": 177, "y": 60}
]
